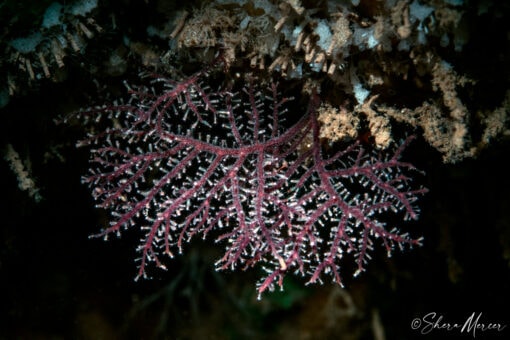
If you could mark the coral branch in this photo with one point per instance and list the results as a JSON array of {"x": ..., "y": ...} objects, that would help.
[{"x": 182, "y": 160}]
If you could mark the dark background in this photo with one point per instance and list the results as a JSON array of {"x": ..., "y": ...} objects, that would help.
[{"x": 58, "y": 283}]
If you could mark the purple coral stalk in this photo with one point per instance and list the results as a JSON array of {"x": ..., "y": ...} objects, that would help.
[{"x": 182, "y": 160}]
